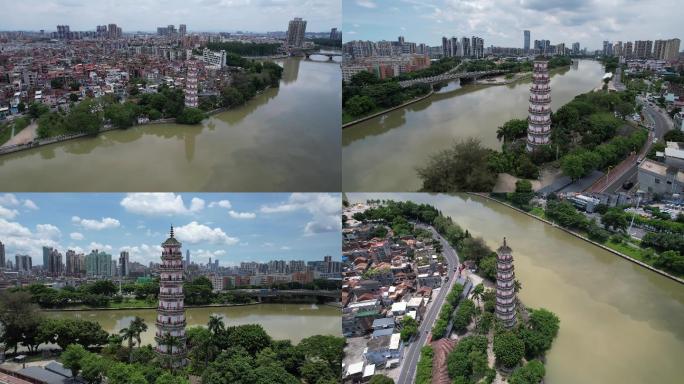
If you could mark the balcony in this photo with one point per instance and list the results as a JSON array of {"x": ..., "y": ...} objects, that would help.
[
  {"x": 170, "y": 268},
  {"x": 540, "y": 100},
  {"x": 171, "y": 324},
  {"x": 537, "y": 121},
  {"x": 539, "y": 111},
  {"x": 171, "y": 309},
  {"x": 540, "y": 90},
  {"x": 170, "y": 296},
  {"x": 504, "y": 296}
]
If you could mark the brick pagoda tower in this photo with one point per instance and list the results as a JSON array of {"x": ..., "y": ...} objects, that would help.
[
  {"x": 539, "y": 120},
  {"x": 191, "y": 85},
  {"x": 505, "y": 286},
  {"x": 170, "y": 336}
]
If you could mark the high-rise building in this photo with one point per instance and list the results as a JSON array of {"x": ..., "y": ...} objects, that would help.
[
  {"x": 23, "y": 263},
  {"x": 539, "y": 120},
  {"x": 123, "y": 264},
  {"x": 575, "y": 48},
  {"x": 63, "y": 32},
  {"x": 627, "y": 49},
  {"x": 465, "y": 47},
  {"x": 187, "y": 257},
  {"x": 98, "y": 264},
  {"x": 295, "y": 32},
  {"x": 191, "y": 85},
  {"x": 477, "y": 47},
  {"x": 335, "y": 34},
  {"x": 2, "y": 255},
  {"x": 526, "y": 41},
  {"x": 113, "y": 31},
  {"x": 643, "y": 49},
  {"x": 560, "y": 49},
  {"x": 52, "y": 261},
  {"x": 607, "y": 48},
  {"x": 170, "y": 336},
  {"x": 182, "y": 30},
  {"x": 666, "y": 49},
  {"x": 505, "y": 286}
]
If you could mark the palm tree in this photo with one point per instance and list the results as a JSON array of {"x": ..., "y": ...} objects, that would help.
[
  {"x": 215, "y": 324},
  {"x": 138, "y": 324},
  {"x": 478, "y": 292},
  {"x": 129, "y": 334},
  {"x": 517, "y": 286}
]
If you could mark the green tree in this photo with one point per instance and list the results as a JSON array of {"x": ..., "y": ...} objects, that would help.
[
  {"x": 19, "y": 318},
  {"x": 168, "y": 378},
  {"x": 615, "y": 218},
  {"x": 380, "y": 379},
  {"x": 531, "y": 373},
  {"x": 190, "y": 116},
  {"x": 37, "y": 109},
  {"x": 508, "y": 349},
  {"x": 523, "y": 193},
  {"x": 364, "y": 78},
  {"x": 122, "y": 115},
  {"x": 120, "y": 373},
  {"x": 463, "y": 167},
  {"x": 326, "y": 348},
  {"x": 359, "y": 105},
  {"x": 409, "y": 328},
  {"x": 72, "y": 357},
  {"x": 93, "y": 368},
  {"x": 512, "y": 130}
]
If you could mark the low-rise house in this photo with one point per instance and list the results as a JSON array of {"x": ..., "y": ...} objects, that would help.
[{"x": 382, "y": 350}]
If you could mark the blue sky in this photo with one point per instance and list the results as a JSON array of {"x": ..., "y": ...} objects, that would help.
[
  {"x": 501, "y": 22},
  {"x": 232, "y": 227},
  {"x": 147, "y": 15}
]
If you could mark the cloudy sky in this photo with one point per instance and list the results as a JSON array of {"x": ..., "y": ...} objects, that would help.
[
  {"x": 501, "y": 22},
  {"x": 147, "y": 15},
  {"x": 230, "y": 227}
]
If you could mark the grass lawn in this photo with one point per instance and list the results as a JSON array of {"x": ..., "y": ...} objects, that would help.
[
  {"x": 132, "y": 303},
  {"x": 628, "y": 250},
  {"x": 6, "y": 129},
  {"x": 347, "y": 118},
  {"x": 538, "y": 211}
]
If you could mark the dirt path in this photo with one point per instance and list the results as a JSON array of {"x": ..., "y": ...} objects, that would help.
[{"x": 27, "y": 134}]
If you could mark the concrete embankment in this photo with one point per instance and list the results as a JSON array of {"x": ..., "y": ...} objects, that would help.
[
  {"x": 349, "y": 124},
  {"x": 568, "y": 231}
]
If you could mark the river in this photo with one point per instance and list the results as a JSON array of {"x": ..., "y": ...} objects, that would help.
[
  {"x": 381, "y": 154},
  {"x": 620, "y": 323},
  {"x": 286, "y": 139},
  {"x": 281, "y": 321}
]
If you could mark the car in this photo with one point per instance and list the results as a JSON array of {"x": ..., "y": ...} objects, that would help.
[{"x": 627, "y": 185}]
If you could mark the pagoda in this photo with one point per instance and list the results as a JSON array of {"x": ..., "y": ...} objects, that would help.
[
  {"x": 170, "y": 335},
  {"x": 191, "y": 85},
  {"x": 539, "y": 120},
  {"x": 505, "y": 286}
]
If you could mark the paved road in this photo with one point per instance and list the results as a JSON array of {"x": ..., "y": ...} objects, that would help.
[
  {"x": 412, "y": 352},
  {"x": 628, "y": 169}
]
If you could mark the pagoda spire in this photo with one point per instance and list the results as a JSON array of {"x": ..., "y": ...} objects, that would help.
[{"x": 539, "y": 119}]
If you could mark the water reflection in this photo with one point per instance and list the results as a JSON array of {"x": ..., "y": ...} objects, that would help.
[
  {"x": 372, "y": 160},
  {"x": 276, "y": 141}
]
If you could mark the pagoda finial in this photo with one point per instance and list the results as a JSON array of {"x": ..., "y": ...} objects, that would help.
[
  {"x": 171, "y": 230},
  {"x": 504, "y": 237}
]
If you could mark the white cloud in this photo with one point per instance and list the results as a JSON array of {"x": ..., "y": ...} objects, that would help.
[
  {"x": 9, "y": 199},
  {"x": 242, "y": 215},
  {"x": 48, "y": 231},
  {"x": 19, "y": 239},
  {"x": 76, "y": 236},
  {"x": 143, "y": 253},
  {"x": 96, "y": 225},
  {"x": 223, "y": 204},
  {"x": 7, "y": 213},
  {"x": 285, "y": 248},
  {"x": 30, "y": 204},
  {"x": 160, "y": 204},
  {"x": 366, "y": 3},
  {"x": 324, "y": 208},
  {"x": 100, "y": 247},
  {"x": 194, "y": 233}
]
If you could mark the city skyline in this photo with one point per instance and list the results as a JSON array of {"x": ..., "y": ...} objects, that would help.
[
  {"x": 229, "y": 227},
  {"x": 502, "y": 23},
  {"x": 198, "y": 15}
]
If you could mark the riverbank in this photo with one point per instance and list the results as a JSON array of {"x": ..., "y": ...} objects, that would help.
[
  {"x": 36, "y": 143},
  {"x": 579, "y": 236},
  {"x": 376, "y": 114}
]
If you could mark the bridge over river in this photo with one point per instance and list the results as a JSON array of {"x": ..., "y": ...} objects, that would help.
[
  {"x": 267, "y": 294},
  {"x": 448, "y": 76}
]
